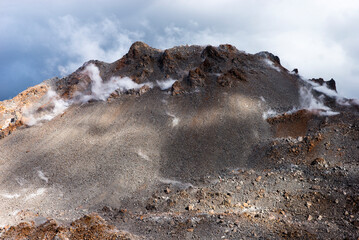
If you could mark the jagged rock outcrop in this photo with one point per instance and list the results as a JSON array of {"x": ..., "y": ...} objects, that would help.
[
  {"x": 329, "y": 84},
  {"x": 11, "y": 111},
  {"x": 193, "y": 66}
]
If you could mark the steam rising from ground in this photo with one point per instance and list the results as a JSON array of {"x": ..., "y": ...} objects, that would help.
[
  {"x": 175, "y": 120},
  {"x": 166, "y": 84},
  {"x": 143, "y": 155},
  {"x": 42, "y": 176},
  {"x": 270, "y": 113},
  {"x": 331, "y": 93},
  {"x": 271, "y": 64},
  {"x": 309, "y": 102},
  {"x": 101, "y": 90},
  {"x": 53, "y": 105},
  {"x": 316, "y": 105}
]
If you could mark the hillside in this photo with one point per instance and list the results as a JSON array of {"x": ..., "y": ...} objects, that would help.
[{"x": 189, "y": 142}]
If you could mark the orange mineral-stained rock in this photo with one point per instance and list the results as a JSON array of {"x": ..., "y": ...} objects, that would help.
[
  {"x": 91, "y": 226},
  {"x": 293, "y": 124},
  {"x": 11, "y": 111}
]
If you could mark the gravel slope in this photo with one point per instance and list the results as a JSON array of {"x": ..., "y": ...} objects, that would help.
[{"x": 200, "y": 164}]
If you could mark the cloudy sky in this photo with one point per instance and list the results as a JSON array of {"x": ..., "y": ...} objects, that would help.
[{"x": 40, "y": 39}]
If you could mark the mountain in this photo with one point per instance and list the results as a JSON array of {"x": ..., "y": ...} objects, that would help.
[{"x": 192, "y": 141}]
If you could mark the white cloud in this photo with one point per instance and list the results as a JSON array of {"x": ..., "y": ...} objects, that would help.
[
  {"x": 300, "y": 33},
  {"x": 104, "y": 40},
  {"x": 317, "y": 37}
]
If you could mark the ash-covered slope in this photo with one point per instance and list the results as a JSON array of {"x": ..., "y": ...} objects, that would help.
[{"x": 120, "y": 130}]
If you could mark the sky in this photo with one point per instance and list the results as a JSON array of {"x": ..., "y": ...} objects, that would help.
[{"x": 41, "y": 39}]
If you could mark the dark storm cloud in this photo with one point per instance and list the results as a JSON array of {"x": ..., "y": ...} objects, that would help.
[{"x": 42, "y": 39}]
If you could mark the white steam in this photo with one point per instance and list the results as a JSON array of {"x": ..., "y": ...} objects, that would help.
[
  {"x": 331, "y": 93},
  {"x": 322, "y": 88},
  {"x": 166, "y": 84},
  {"x": 101, "y": 90},
  {"x": 268, "y": 114},
  {"x": 271, "y": 64},
  {"x": 42, "y": 176},
  {"x": 143, "y": 155},
  {"x": 309, "y": 102},
  {"x": 175, "y": 120},
  {"x": 344, "y": 102},
  {"x": 52, "y": 107},
  {"x": 347, "y": 102},
  {"x": 6, "y": 123},
  {"x": 326, "y": 91}
]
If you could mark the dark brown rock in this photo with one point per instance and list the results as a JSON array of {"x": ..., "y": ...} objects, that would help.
[
  {"x": 196, "y": 78},
  {"x": 168, "y": 63},
  {"x": 269, "y": 55},
  {"x": 213, "y": 53},
  {"x": 230, "y": 77},
  {"x": 329, "y": 84},
  {"x": 177, "y": 88},
  {"x": 319, "y": 162},
  {"x": 295, "y": 70}
]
